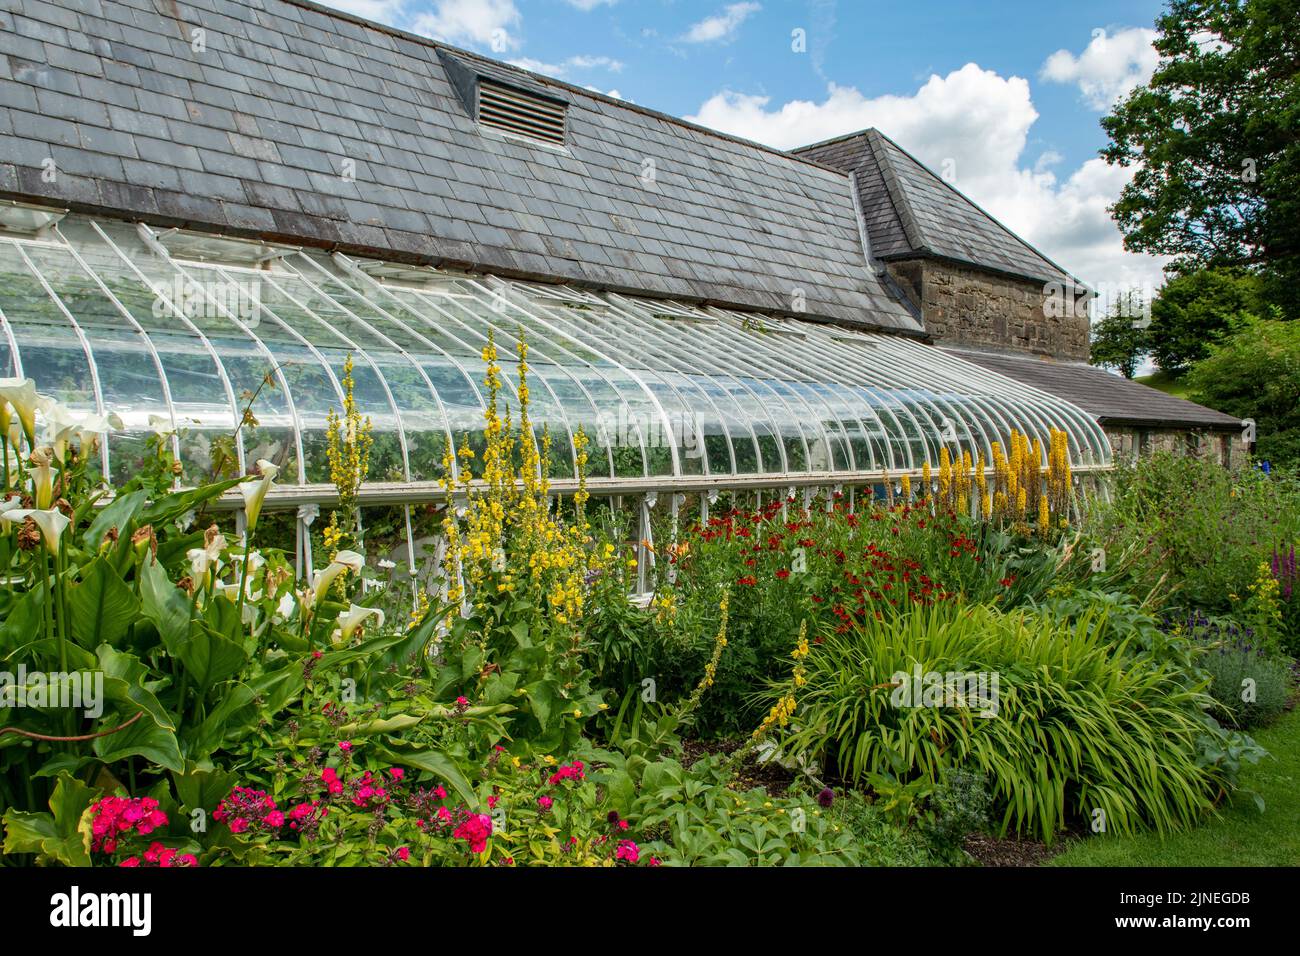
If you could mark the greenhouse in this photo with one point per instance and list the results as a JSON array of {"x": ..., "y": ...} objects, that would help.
[
  {"x": 178, "y": 332},
  {"x": 413, "y": 460}
]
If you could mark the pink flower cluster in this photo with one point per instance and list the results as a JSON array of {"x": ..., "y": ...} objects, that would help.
[
  {"x": 369, "y": 791},
  {"x": 160, "y": 856},
  {"x": 247, "y": 810},
  {"x": 475, "y": 831},
  {"x": 330, "y": 777},
  {"x": 307, "y": 816},
  {"x": 117, "y": 818},
  {"x": 572, "y": 771}
]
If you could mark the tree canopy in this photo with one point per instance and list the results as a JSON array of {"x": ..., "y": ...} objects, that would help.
[
  {"x": 1193, "y": 311},
  {"x": 1214, "y": 141},
  {"x": 1255, "y": 373}
]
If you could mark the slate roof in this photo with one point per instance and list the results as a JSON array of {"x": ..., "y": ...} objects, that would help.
[
  {"x": 910, "y": 212},
  {"x": 1110, "y": 398},
  {"x": 249, "y": 137}
]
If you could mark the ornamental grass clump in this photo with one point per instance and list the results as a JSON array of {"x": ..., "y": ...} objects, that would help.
[{"x": 1078, "y": 727}]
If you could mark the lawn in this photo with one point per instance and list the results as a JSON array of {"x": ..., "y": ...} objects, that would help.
[
  {"x": 1165, "y": 382},
  {"x": 1239, "y": 836}
]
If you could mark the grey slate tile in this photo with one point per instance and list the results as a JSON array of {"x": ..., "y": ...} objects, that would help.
[{"x": 299, "y": 90}]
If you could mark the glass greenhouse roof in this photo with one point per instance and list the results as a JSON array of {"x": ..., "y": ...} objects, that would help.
[{"x": 175, "y": 331}]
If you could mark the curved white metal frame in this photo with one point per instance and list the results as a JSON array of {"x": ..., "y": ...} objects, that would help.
[{"x": 673, "y": 396}]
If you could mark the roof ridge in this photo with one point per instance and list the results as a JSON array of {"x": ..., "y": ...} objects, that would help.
[
  {"x": 556, "y": 81},
  {"x": 973, "y": 204},
  {"x": 897, "y": 199}
]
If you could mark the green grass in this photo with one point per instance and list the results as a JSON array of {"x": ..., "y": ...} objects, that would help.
[
  {"x": 1239, "y": 836},
  {"x": 1176, "y": 387}
]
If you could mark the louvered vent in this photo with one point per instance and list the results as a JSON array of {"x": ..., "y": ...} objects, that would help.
[{"x": 523, "y": 114}]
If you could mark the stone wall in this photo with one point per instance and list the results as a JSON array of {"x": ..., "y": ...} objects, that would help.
[
  {"x": 1128, "y": 443},
  {"x": 966, "y": 306}
]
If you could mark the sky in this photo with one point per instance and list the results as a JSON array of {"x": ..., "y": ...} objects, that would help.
[{"x": 1005, "y": 97}]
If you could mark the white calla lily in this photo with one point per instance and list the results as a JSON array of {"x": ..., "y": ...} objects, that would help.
[
  {"x": 6, "y": 506},
  {"x": 206, "y": 561},
  {"x": 65, "y": 425},
  {"x": 254, "y": 492},
  {"x": 284, "y": 609},
  {"x": 92, "y": 426},
  {"x": 343, "y": 561},
  {"x": 354, "y": 618},
  {"x": 351, "y": 560},
  {"x": 232, "y": 591},
  {"x": 255, "y": 560},
  {"x": 161, "y": 426},
  {"x": 51, "y": 521},
  {"x": 60, "y": 424},
  {"x": 42, "y": 474},
  {"x": 21, "y": 395}
]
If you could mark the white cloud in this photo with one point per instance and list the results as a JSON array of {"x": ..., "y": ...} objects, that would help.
[
  {"x": 586, "y": 6},
  {"x": 1109, "y": 67},
  {"x": 480, "y": 23},
  {"x": 381, "y": 11},
  {"x": 580, "y": 62},
  {"x": 722, "y": 25},
  {"x": 976, "y": 123},
  {"x": 538, "y": 66}
]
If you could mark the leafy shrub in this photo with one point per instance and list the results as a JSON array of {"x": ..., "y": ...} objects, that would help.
[
  {"x": 1255, "y": 373},
  {"x": 1194, "y": 529},
  {"x": 696, "y": 819},
  {"x": 785, "y": 564},
  {"x": 1080, "y": 722},
  {"x": 1251, "y": 685},
  {"x": 960, "y": 805}
]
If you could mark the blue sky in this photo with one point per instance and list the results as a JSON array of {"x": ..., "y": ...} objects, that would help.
[{"x": 1007, "y": 95}]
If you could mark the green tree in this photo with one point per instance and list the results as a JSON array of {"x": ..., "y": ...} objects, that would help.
[
  {"x": 1212, "y": 141},
  {"x": 1120, "y": 339},
  {"x": 1191, "y": 312},
  {"x": 1255, "y": 373}
]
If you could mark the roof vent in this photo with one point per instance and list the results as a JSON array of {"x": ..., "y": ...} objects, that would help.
[{"x": 520, "y": 113}]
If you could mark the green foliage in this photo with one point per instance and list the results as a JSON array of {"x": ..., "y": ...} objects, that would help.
[
  {"x": 828, "y": 567},
  {"x": 959, "y": 806},
  {"x": 1080, "y": 722},
  {"x": 695, "y": 819},
  {"x": 1192, "y": 530},
  {"x": 1255, "y": 373},
  {"x": 1119, "y": 341},
  {"x": 1193, "y": 312},
  {"x": 1210, "y": 138},
  {"x": 1251, "y": 682},
  {"x": 1239, "y": 835}
]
